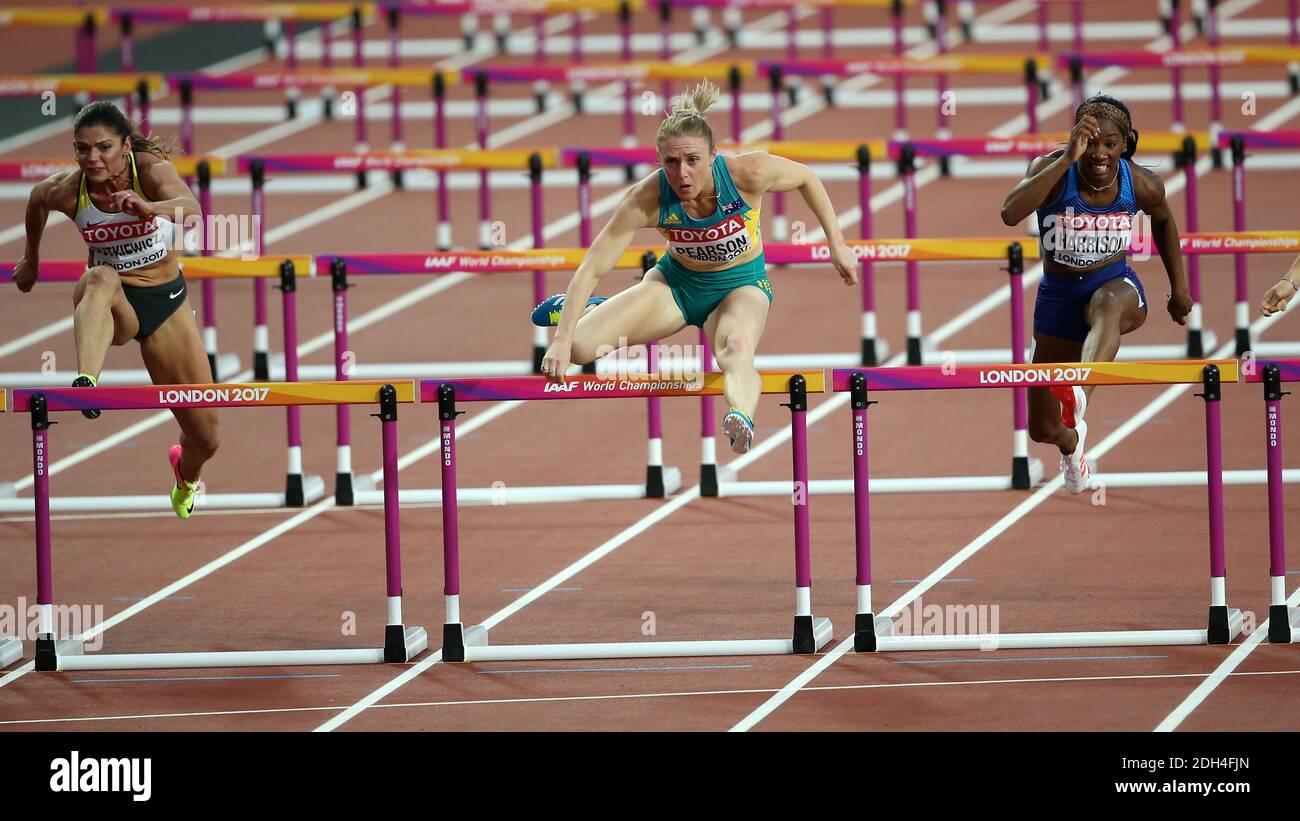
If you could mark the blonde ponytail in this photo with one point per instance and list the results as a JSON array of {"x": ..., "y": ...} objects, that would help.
[{"x": 686, "y": 114}]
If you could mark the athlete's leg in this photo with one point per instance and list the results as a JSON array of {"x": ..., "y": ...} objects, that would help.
[
  {"x": 640, "y": 314},
  {"x": 174, "y": 355},
  {"x": 1116, "y": 308},
  {"x": 101, "y": 317},
  {"x": 1045, "y": 423},
  {"x": 734, "y": 330}
]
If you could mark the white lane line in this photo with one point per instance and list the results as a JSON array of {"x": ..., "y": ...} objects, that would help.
[
  {"x": 623, "y": 537},
  {"x": 408, "y": 705},
  {"x": 998, "y": 528}
]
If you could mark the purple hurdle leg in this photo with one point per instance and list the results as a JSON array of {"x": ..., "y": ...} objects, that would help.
[
  {"x": 1076, "y": 24},
  {"x": 1195, "y": 342},
  {"x": 453, "y": 631},
  {"x": 584, "y": 199},
  {"x": 541, "y": 339},
  {"x": 261, "y": 339},
  {"x": 1020, "y": 476},
  {"x": 46, "y": 657},
  {"x": 1281, "y": 630},
  {"x": 327, "y": 63},
  {"x": 440, "y": 141},
  {"x": 708, "y": 434},
  {"x": 1031, "y": 94},
  {"x": 128, "y": 60},
  {"x": 1221, "y": 629},
  {"x": 1176, "y": 73},
  {"x": 804, "y": 641},
  {"x": 900, "y": 81},
  {"x": 791, "y": 34},
  {"x": 142, "y": 93},
  {"x": 733, "y": 82},
  {"x": 358, "y": 62},
  {"x": 870, "y": 356},
  {"x": 654, "y": 471},
  {"x": 293, "y": 494},
  {"x": 1280, "y": 627},
  {"x": 629, "y": 116},
  {"x": 942, "y": 131},
  {"x": 907, "y": 168},
  {"x": 1239, "y": 224},
  {"x": 1293, "y": 38},
  {"x": 864, "y": 622},
  {"x": 484, "y": 195},
  {"x": 665, "y": 49},
  {"x": 1216, "y": 101},
  {"x": 1044, "y": 36},
  {"x": 209, "y": 286},
  {"x": 395, "y": 646},
  {"x": 343, "y": 366},
  {"x": 780, "y": 232},
  {"x": 395, "y": 61}
]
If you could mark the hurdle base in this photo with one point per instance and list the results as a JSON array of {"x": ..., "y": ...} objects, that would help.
[
  {"x": 51, "y": 652},
  {"x": 455, "y": 638},
  {"x": 401, "y": 644},
  {"x": 261, "y": 366},
  {"x": 1243, "y": 341},
  {"x": 295, "y": 494},
  {"x": 1225, "y": 624},
  {"x": 709, "y": 479},
  {"x": 343, "y": 494},
  {"x": 1283, "y": 624},
  {"x": 867, "y": 628},
  {"x": 11, "y": 650},
  {"x": 415, "y": 641},
  {"x": 654, "y": 481},
  {"x": 1195, "y": 345},
  {"x": 822, "y": 633},
  {"x": 1045, "y": 641},
  {"x": 1025, "y": 472}
]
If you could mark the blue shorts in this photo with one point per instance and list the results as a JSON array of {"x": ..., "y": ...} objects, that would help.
[{"x": 1062, "y": 306}]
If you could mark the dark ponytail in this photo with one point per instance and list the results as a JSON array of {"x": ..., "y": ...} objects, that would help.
[{"x": 102, "y": 112}]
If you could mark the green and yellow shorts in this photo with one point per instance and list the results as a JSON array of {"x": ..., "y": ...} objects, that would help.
[{"x": 699, "y": 293}]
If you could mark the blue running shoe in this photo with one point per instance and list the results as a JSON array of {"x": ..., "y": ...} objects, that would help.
[
  {"x": 547, "y": 314},
  {"x": 739, "y": 429}
]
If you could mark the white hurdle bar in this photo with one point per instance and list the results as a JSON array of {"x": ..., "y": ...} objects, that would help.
[
  {"x": 313, "y": 490},
  {"x": 876, "y": 634},
  {"x": 227, "y": 366}
]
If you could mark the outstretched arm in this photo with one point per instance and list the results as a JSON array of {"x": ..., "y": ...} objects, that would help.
[
  {"x": 1150, "y": 193},
  {"x": 38, "y": 213},
  {"x": 1282, "y": 292},
  {"x": 765, "y": 172}
]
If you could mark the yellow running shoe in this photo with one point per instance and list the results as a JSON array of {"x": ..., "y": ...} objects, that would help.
[{"x": 183, "y": 492}]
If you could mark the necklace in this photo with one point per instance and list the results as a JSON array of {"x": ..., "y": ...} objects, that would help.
[{"x": 1104, "y": 187}]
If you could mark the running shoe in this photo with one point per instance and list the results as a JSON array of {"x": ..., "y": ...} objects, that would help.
[
  {"x": 1073, "y": 403},
  {"x": 183, "y": 492},
  {"x": 547, "y": 314},
  {"x": 84, "y": 381},
  {"x": 1074, "y": 468},
  {"x": 739, "y": 429}
]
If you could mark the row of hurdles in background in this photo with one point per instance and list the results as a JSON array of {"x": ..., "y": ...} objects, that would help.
[
  {"x": 904, "y": 156},
  {"x": 660, "y": 480},
  {"x": 809, "y": 633},
  {"x": 283, "y": 19},
  {"x": 1032, "y": 69}
]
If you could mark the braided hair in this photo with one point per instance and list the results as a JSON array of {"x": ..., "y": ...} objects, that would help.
[
  {"x": 1105, "y": 107},
  {"x": 686, "y": 115},
  {"x": 103, "y": 112}
]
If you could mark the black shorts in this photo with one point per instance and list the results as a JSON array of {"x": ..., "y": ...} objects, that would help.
[{"x": 154, "y": 304}]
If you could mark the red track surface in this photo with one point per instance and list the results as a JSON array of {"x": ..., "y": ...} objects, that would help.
[{"x": 714, "y": 568}]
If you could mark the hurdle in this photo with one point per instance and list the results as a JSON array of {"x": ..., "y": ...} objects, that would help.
[
  {"x": 143, "y": 85},
  {"x": 875, "y": 634},
  {"x": 1237, "y": 142},
  {"x": 11, "y": 647},
  {"x": 472, "y": 644},
  {"x": 1168, "y": 10},
  {"x": 1283, "y": 621},
  {"x": 299, "y": 489},
  {"x": 53, "y": 653},
  {"x": 659, "y": 481}
]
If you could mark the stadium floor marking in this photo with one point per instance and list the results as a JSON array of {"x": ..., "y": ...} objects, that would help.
[{"x": 625, "y": 696}]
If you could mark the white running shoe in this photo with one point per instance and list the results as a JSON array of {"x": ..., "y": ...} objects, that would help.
[{"x": 1074, "y": 468}]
